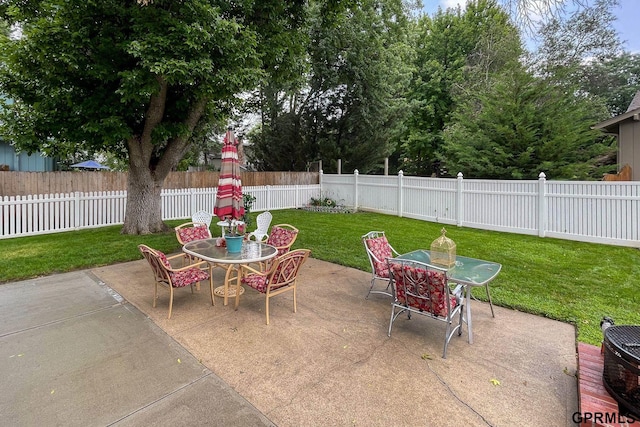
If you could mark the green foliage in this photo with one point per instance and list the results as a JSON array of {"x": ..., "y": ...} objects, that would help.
[
  {"x": 444, "y": 44},
  {"x": 615, "y": 80},
  {"x": 569, "y": 281},
  {"x": 517, "y": 126},
  {"x": 137, "y": 81},
  {"x": 248, "y": 200},
  {"x": 586, "y": 35},
  {"x": 322, "y": 201},
  {"x": 351, "y": 105}
]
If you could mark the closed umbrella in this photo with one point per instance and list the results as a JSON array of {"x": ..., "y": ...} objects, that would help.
[{"x": 229, "y": 204}]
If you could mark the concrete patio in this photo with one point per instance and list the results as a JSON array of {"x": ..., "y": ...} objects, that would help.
[{"x": 88, "y": 348}]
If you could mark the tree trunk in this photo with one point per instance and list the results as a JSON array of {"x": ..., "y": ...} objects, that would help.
[
  {"x": 147, "y": 170},
  {"x": 144, "y": 206}
]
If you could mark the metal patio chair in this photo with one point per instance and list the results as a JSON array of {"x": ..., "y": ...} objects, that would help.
[
  {"x": 423, "y": 289},
  {"x": 378, "y": 250}
]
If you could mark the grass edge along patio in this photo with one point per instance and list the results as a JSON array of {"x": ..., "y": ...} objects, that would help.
[{"x": 574, "y": 282}]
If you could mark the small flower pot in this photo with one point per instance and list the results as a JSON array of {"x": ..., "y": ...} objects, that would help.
[{"x": 234, "y": 243}]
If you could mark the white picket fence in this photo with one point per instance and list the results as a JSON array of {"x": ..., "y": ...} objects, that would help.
[
  {"x": 591, "y": 211},
  {"x": 52, "y": 213}
]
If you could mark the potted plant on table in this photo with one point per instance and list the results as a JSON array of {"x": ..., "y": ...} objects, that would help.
[{"x": 234, "y": 235}]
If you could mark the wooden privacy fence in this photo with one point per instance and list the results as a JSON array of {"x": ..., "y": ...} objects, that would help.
[
  {"x": 625, "y": 174},
  {"x": 32, "y": 183},
  {"x": 51, "y": 213},
  {"x": 591, "y": 211}
]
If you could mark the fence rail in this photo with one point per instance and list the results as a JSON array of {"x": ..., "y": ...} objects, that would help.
[
  {"x": 599, "y": 211},
  {"x": 51, "y": 213}
]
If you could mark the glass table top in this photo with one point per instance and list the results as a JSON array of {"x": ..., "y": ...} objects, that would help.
[
  {"x": 469, "y": 271},
  {"x": 251, "y": 252}
]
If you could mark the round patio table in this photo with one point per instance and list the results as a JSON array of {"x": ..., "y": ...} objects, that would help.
[{"x": 208, "y": 250}]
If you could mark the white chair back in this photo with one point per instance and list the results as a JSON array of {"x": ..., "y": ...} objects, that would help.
[
  {"x": 262, "y": 232},
  {"x": 203, "y": 217}
]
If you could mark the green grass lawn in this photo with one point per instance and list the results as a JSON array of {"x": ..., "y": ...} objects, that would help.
[{"x": 569, "y": 281}]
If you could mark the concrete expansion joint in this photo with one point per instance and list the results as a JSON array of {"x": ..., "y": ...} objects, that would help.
[
  {"x": 55, "y": 322},
  {"x": 161, "y": 398}
]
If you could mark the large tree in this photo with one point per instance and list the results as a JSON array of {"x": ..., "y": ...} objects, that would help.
[
  {"x": 351, "y": 103},
  {"x": 517, "y": 125},
  {"x": 615, "y": 80},
  {"x": 444, "y": 43},
  {"x": 136, "y": 79}
]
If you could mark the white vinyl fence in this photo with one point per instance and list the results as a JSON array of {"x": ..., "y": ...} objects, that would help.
[
  {"x": 599, "y": 211},
  {"x": 52, "y": 213},
  {"x": 591, "y": 211}
]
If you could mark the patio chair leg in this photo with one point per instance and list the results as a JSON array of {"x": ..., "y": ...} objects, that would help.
[
  {"x": 170, "y": 301},
  {"x": 385, "y": 292},
  {"x": 213, "y": 301},
  {"x": 370, "y": 288},
  {"x": 295, "y": 308},
  {"x": 155, "y": 295},
  {"x": 446, "y": 340},
  {"x": 266, "y": 305}
]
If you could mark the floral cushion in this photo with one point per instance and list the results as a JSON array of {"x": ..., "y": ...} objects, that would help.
[
  {"x": 381, "y": 250},
  {"x": 422, "y": 289},
  {"x": 260, "y": 283},
  {"x": 280, "y": 237},
  {"x": 189, "y": 234},
  {"x": 180, "y": 279},
  {"x": 256, "y": 281},
  {"x": 164, "y": 259}
]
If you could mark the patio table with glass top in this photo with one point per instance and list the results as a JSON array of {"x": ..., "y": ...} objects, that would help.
[
  {"x": 252, "y": 252},
  {"x": 469, "y": 272}
]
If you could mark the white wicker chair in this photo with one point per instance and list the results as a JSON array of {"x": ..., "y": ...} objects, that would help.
[
  {"x": 261, "y": 233},
  {"x": 202, "y": 216}
]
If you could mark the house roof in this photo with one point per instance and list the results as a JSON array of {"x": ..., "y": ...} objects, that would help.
[
  {"x": 635, "y": 103},
  {"x": 612, "y": 125}
]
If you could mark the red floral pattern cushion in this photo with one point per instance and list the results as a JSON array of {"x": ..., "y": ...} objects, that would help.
[
  {"x": 260, "y": 283},
  {"x": 189, "y": 234},
  {"x": 381, "y": 249},
  {"x": 164, "y": 259},
  {"x": 281, "y": 237},
  {"x": 180, "y": 279},
  {"x": 425, "y": 289},
  {"x": 256, "y": 281}
]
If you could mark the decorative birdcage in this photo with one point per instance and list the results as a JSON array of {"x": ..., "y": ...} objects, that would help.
[{"x": 443, "y": 251}]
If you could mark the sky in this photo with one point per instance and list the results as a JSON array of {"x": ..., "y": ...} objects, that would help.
[{"x": 627, "y": 24}]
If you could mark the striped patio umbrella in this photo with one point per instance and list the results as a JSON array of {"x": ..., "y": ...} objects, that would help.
[{"x": 229, "y": 204}]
